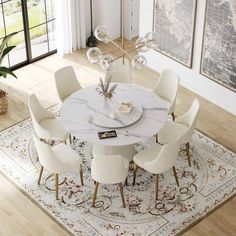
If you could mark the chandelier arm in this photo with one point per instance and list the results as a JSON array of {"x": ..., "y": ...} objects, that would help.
[
  {"x": 121, "y": 49},
  {"x": 116, "y": 58},
  {"x": 113, "y": 50},
  {"x": 127, "y": 52},
  {"x": 135, "y": 49},
  {"x": 129, "y": 46}
]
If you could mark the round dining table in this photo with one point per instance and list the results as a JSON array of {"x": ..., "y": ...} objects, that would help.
[{"x": 86, "y": 113}]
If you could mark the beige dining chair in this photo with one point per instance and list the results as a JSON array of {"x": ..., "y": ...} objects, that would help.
[
  {"x": 127, "y": 151},
  {"x": 167, "y": 89},
  {"x": 183, "y": 128},
  {"x": 57, "y": 160},
  {"x": 45, "y": 123},
  {"x": 109, "y": 169},
  {"x": 66, "y": 82},
  {"x": 158, "y": 159}
]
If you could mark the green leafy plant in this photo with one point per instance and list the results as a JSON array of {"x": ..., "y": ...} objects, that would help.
[{"x": 4, "y": 50}]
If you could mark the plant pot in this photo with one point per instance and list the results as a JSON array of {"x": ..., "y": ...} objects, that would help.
[{"x": 3, "y": 102}]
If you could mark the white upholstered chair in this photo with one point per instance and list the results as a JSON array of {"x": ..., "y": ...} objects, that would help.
[
  {"x": 66, "y": 82},
  {"x": 167, "y": 89},
  {"x": 46, "y": 125},
  {"x": 109, "y": 169},
  {"x": 158, "y": 159},
  {"x": 59, "y": 159},
  {"x": 183, "y": 127},
  {"x": 120, "y": 72},
  {"x": 127, "y": 151}
]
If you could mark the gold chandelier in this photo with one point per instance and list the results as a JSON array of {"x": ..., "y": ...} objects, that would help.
[{"x": 142, "y": 44}]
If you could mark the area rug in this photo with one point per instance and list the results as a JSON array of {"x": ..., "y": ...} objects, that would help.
[{"x": 207, "y": 184}]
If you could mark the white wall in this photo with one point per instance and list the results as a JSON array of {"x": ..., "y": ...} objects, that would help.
[
  {"x": 107, "y": 12},
  {"x": 190, "y": 78}
]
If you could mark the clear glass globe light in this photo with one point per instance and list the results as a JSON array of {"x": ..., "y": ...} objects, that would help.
[
  {"x": 151, "y": 38},
  {"x": 94, "y": 54},
  {"x": 139, "y": 62},
  {"x": 141, "y": 45},
  {"x": 151, "y": 35},
  {"x": 102, "y": 34},
  {"x": 106, "y": 62}
]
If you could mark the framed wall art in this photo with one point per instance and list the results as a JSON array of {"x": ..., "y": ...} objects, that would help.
[
  {"x": 174, "y": 22},
  {"x": 218, "y": 60}
]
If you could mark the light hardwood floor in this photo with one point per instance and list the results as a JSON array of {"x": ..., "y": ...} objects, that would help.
[{"x": 19, "y": 216}]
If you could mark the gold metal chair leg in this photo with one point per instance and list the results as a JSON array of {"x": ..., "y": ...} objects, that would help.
[
  {"x": 157, "y": 180},
  {"x": 81, "y": 175},
  {"x": 126, "y": 181},
  {"x": 40, "y": 175},
  {"x": 122, "y": 194},
  {"x": 156, "y": 138},
  {"x": 70, "y": 138},
  {"x": 135, "y": 172},
  {"x": 176, "y": 178},
  {"x": 188, "y": 154},
  {"x": 95, "y": 194},
  {"x": 56, "y": 186},
  {"x": 173, "y": 116}
]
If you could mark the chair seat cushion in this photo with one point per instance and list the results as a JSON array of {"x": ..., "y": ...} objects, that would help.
[
  {"x": 65, "y": 154},
  {"x": 147, "y": 155},
  {"x": 127, "y": 151},
  {"x": 171, "y": 132},
  {"x": 54, "y": 127}
]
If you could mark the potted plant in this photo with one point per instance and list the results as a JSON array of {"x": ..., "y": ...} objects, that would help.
[{"x": 4, "y": 71}]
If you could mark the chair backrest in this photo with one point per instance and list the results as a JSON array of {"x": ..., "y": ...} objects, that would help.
[
  {"x": 127, "y": 151},
  {"x": 189, "y": 119},
  {"x": 120, "y": 72},
  {"x": 192, "y": 113},
  {"x": 47, "y": 157},
  {"x": 109, "y": 169},
  {"x": 38, "y": 113},
  {"x": 36, "y": 110},
  {"x": 167, "y": 86},
  {"x": 165, "y": 159},
  {"x": 66, "y": 82}
]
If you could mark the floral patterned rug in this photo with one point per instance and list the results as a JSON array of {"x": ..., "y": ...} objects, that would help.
[{"x": 210, "y": 182}]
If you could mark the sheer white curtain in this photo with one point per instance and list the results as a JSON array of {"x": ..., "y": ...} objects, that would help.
[{"x": 70, "y": 26}]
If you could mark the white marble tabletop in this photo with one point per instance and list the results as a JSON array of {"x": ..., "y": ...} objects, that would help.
[{"x": 78, "y": 116}]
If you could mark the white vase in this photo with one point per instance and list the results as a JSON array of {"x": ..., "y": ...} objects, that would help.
[{"x": 106, "y": 101}]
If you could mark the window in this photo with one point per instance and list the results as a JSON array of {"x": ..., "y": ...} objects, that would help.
[{"x": 34, "y": 20}]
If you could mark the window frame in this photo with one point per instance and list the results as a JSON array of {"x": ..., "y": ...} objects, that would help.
[{"x": 26, "y": 30}]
